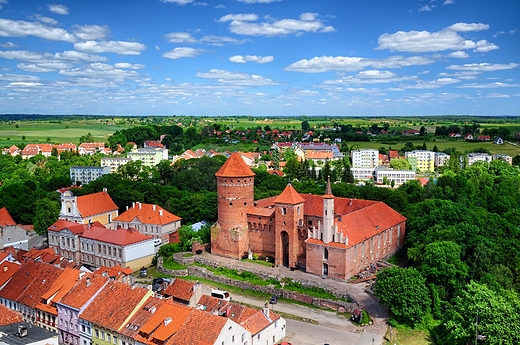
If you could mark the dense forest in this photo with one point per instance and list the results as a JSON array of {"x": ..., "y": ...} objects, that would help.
[{"x": 461, "y": 264}]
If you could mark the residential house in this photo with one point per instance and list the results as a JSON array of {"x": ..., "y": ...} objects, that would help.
[
  {"x": 113, "y": 163},
  {"x": 131, "y": 334},
  {"x": 109, "y": 312},
  {"x": 85, "y": 175},
  {"x": 46, "y": 311},
  {"x": 8, "y": 268},
  {"x": 12, "y": 151},
  {"x": 96, "y": 246},
  {"x": 91, "y": 148},
  {"x": 498, "y": 141},
  {"x": 302, "y": 149},
  {"x": 73, "y": 304},
  {"x": 421, "y": 160},
  {"x": 97, "y": 207},
  {"x": 27, "y": 286},
  {"x": 364, "y": 158},
  {"x": 12, "y": 234},
  {"x": 31, "y": 150},
  {"x": 153, "y": 144},
  {"x": 149, "y": 219},
  {"x": 183, "y": 291}
]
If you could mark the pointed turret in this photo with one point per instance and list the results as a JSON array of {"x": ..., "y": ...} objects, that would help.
[{"x": 328, "y": 214}]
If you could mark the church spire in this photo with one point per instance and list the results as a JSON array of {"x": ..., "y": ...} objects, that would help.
[{"x": 328, "y": 189}]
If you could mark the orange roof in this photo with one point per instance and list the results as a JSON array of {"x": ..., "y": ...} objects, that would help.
[
  {"x": 119, "y": 236},
  {"x": 235, "y": 167},
  {"x": 5, "y": 218},
  {"x": 133, "y": 328},
  {"x": 289, "y": 196},
  {"x": 46, "y": 255},
  {"x": 30, "y": 282},
  {"x": 61, "y": 224},
  {"x": 97, "y": 203},
  {"x": 65, "y": 282},
  {"x": 192, "y": 333},
  {"x": 8, "y": 316},
  {"x": 7, "y": 270},
  {"x": 319, "y": 155},
  {"x": 114, "y": 271},
  {"x": 113, "y": 305},
  {"x": 179, "y": 289},
  {"x": 393, "y": 154},
  {"x": 258, "y": 321},
  {"x": 82, "y": 292},
  {"x": 147, "y": 214},
  {"x": 166, "y": 321}
]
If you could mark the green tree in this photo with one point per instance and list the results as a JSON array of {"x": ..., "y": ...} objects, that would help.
[
  {"x": 305, "y": 126},
  {"x": 47, "y": 212},
  {"x": 399, "y": 164},
  {"x": 404, "y": 292}
]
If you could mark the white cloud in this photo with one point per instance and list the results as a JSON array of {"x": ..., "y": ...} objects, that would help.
[
  {"x": 91, "y": 32},
  {"x": 238, "y": 17},
  {"x": 50, "y": 66},
  {"x": 58, "y": 9},
  {"x": 8, "y": 45},
  {"x": 258, "y": 1},
  {"x": 213, "y": 40},
  {"x": 251, "y": 58},
  {"x": 118, "y": 47},
  {"x": 369, "y": 77},
  {"x": 200, "y": 4},
  {"x": 434, "y": 84},
  {"x": 459, "y": 54},
  {"x": 102, "y": 71},
  {"x": 425, "y": 8},
  {"x": 18, "y": 77},
  {"x": 3, "y": 2},
  {"x": 449, "y": 2},
  {"x": 178, "y": 2},
  {"x": 464, "y": 75},
  {"x": 466, "y": 27},
  {"x": 483, "y": 67},
  {"x": 220, "y": 6},
  {"x": 345, "y": 63},
  {"x": 46, "y": 20},
  {"x": 182, "y": 52},
  {"x": 38, "y": 62},
  {"x": 180, "y": 37},
  {"x": 21, "y": 28},
  {"x": 425, "y": 41},
  {"x": 487, "y": 86},
  {"x": 126, "y": 65},
  {"x": 241, "y": 24},
  {"x": 236, "y": 78}
]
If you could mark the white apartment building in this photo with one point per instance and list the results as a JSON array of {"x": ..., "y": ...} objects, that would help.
[
  {"x": 478, "y": 157},
  {"x": 114, "y": 162},
  {"x": 365, "y": 158},
  {"x": 85, "y": 175},
  {"x": 149, "y": 156},
  {"x": 441, "y": 159},
  {"x": 398, "y": 176},
  {"x": 363, "y": 174},
  {"x": 421, "y": 160}
]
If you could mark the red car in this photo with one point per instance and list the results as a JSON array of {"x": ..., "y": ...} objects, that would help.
[{"x": 284, "y": 343}]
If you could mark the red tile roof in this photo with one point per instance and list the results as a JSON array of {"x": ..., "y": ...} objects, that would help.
[
  {"x": 192, "y": 333},
  {"x": 114, "y": 305},
  {"x": 147, "y": 214},
  {"x": 5, "y": 218},
  {"x": 133, "y": 327},
  {"x": 8, "y": 316},
  {"x": 119, "y": 236},
  {"x": 235, "y": 167},
  {"x": 166, "y": 321},
  {"x": 65, "y": 282},
  {"x": 289, "y": 196},
  {"x": 97, "y": 203},
  {"x": 61, "y": 224},
  {"x": 114, "y": 271},
  {"x": 179, "y": 289},
  {"x": 7, "y": 270},
  {"x": 84, "y": 290}
]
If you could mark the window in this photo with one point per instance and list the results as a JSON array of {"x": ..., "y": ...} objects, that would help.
[
  {"x": 232, "y": 338},
  {"x": 325, "y": 254},
  {"x": 108, "y": 338},
  {"x": 284, "y": 210}
]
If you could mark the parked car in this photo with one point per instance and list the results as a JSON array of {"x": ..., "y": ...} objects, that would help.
[
  {"x": 273, "y": 300},
  {"x": 221, "y": 294},
  {"x": 284, "y": 343}
]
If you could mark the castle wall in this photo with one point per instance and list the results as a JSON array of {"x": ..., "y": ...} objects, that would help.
[{"x": 261, "y": 235}]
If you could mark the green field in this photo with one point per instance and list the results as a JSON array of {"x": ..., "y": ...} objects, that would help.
[{"x": 66, "y": 132}]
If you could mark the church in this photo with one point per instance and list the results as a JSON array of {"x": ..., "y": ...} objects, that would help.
[{"x": 321, "y": 234}]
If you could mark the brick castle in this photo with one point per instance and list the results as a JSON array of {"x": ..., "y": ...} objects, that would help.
[{"x": 323, "y": 234}]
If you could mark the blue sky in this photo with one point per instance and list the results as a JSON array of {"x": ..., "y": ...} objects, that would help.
[{"x": 260, "y": 57}]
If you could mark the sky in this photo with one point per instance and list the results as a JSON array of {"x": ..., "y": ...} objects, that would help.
[{"x": 260, "y": 57}]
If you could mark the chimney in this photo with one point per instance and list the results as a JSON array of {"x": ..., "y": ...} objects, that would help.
[
  {"x": 350, "y": 202},
  {"x": 167, "y": 321},
  {"x": 22, "y": 331},
  {"x": 6, "y": 268},
  {"x": 153, "y": 207},
  {"x": 133, "y": 205},
  {"x": 139, "y": 205},
  {"x": 265, "y": 310},
  {"x": 127, "y": 208},
  {"x": 104, "y": 190},
  {"x": 160, "y": 213},
  {"x": 88, "y": 282}
]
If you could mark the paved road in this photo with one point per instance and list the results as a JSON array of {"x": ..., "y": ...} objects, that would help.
[{"x": 332, "y": 328}]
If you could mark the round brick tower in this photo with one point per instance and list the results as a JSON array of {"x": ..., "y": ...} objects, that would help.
[{"x": 235, "y": 190}]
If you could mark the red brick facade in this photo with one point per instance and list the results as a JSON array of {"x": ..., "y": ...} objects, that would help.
[{"x": 325, "y": 235}]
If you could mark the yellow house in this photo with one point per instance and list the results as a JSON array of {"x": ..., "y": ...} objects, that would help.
[{"x": 97, "y": 207}]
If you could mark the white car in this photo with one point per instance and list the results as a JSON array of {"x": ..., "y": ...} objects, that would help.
[{"x": 157, "y": 242}]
